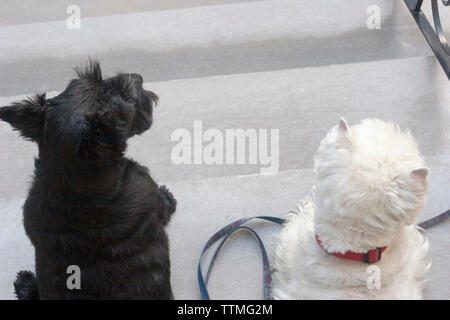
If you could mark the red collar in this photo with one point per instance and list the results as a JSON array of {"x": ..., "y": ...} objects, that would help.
[{"x": 371, "y": 256}]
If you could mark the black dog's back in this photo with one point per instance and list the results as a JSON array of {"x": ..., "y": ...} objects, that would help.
[{"x": 115, "y": 235}]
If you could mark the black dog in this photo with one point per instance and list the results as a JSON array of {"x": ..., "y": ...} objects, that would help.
[{"x": 89, "y": 206}]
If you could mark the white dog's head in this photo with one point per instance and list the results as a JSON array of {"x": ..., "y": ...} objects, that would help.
[{"x": 371, "y": 181}]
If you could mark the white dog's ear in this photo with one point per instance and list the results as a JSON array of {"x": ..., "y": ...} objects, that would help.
[
  {"x": 343, "y": 126},
  {"x": 419, "y": 174}
]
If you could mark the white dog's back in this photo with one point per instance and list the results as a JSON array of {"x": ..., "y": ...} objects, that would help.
[{"x": 303, "y": 270}]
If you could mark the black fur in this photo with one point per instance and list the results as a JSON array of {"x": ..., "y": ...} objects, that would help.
[
  {"x": 88, "y": 204},
  {"x": 25, "y": 286}
]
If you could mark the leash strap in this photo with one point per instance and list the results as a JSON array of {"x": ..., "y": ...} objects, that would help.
[
  {"x": 226, "y": 231},
  {"x": 431, "y": 222}
]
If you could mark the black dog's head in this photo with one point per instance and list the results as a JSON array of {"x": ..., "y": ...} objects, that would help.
[{"x": 91, "y": 119}]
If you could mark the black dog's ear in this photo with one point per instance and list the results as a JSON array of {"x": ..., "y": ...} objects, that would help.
[
  {"x": 27, "y": 117},
  {"x": 105, "y": 137}
]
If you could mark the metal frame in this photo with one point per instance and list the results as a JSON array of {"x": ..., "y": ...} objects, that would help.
[{"x": 436, "y": 39}]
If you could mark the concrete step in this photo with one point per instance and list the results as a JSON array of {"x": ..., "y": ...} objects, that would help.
[
  {"x": 302, "y": 104},
  {"x": 32, "y": 11},
  {"x": 207, "y": 205},
  {"x": 205, "y": 41}
]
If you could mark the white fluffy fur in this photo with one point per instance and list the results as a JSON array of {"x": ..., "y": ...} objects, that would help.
[{"x": 371, "y": 184}]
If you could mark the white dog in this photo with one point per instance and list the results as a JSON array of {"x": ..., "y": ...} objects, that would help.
[{"x": 371, "y": 184}]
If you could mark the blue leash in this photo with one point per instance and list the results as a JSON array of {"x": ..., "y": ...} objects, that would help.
[{"x": 226, "y": 231}]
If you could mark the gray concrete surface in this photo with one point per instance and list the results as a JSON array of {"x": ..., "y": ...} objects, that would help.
[
  {"x": 301, "y": 103},
  {"x": 246, "y": 65},
  {"x": 210, "y": 40},
  {"x": 32, "y": 11}
]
